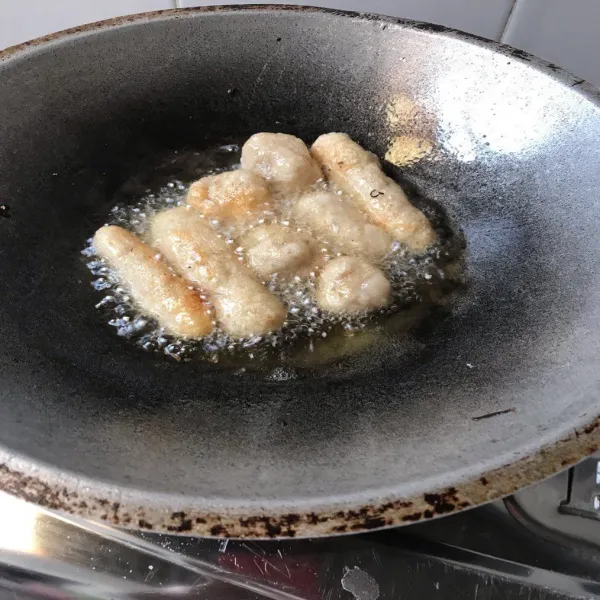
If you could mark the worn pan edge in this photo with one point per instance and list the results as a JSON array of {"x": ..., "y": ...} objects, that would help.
[
  {"x": 70, "y": 495},
  {"x": 39, "y": 484},
  {"x": 522, "y": 56}
]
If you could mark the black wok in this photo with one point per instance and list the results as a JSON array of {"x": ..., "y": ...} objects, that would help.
[{"x": 468, "y": 406}]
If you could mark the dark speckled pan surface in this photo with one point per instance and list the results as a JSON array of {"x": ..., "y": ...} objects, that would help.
[{"x": 498, "y": 394}]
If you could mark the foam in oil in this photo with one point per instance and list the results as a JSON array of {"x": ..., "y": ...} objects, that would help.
[{"x": 309, "y": 336}]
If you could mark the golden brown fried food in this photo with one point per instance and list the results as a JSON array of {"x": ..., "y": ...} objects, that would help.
[
  {"x": 283, "y": 160},
  {"x": 352, "y": 285},
  {"x": 271, "y": 249},
  {"x": 335, "y": 221},
  {"x": 243, "y": 306},
  {"x": 358, "y": 173},
  {"x": 159, "y": 292},
  {"x": 232, "y": 196}
]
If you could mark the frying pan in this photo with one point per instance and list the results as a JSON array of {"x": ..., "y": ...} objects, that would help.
[{"x": 468, "y": 406}]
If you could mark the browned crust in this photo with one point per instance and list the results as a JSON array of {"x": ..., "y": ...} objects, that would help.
[{"x": 485, "y": 487}]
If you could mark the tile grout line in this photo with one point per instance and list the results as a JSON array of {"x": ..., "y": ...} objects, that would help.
[{"x": 509, "y": 19}]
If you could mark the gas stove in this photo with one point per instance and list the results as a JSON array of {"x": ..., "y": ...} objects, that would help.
[{"x": 542, "y": 543}]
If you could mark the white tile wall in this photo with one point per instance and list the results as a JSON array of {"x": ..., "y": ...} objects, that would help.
[
  {"x": 566, "y": 32},
  {"x": 23, "y": 20},
  {"x": 486, "y": 18}
]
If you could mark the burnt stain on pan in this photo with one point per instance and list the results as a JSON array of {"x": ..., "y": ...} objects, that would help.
[
  {"x": 443, "y": 503},
  {"x": 184, "y": 524},
  {"x": 525, "y": 56},
  {"x": 493, "y": 414},
  {"x": 68, "y": 498},
  {"x": 432, "y": 27}
]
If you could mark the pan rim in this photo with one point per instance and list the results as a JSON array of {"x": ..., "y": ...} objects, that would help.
[
  {"x": 521, "y": 56},
  {"x": 36, "y": 482},
  {"x": 69, "y": 493}
]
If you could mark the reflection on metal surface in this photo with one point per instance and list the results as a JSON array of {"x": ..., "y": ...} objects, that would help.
[
  {"x": 561, "y": 510},
  {"x": 78, "y": 559},
  {"x": 404, "y": 150},
  {"x": 360, "y": 584},
  {"x": 504, "y": 117},
  {"x": 402, "y": 111},
  {"x": 412, "y": 131},
  {"x": 17, "y": 525},
  {"x": 583, "y": 497}
]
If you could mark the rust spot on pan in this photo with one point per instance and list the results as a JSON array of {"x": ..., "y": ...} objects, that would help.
[
  {"x": 415, "y": 517},
  {"x": 443, "y": 503}
]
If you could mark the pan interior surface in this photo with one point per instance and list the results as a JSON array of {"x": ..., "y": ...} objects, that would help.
[{"x": 511, "y": 158}]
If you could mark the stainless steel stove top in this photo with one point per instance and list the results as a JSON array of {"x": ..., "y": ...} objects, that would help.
[{"x": 543, "y": 543}]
